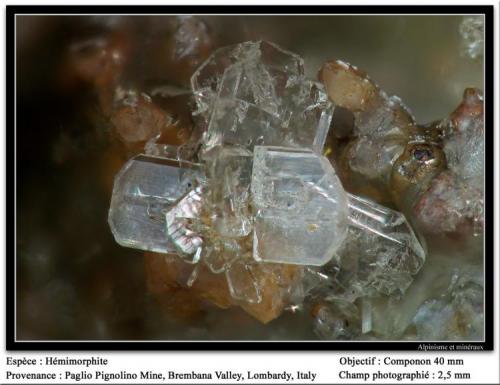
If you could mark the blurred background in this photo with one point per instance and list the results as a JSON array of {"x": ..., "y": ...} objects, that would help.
[{"x": 73, "y": 280}]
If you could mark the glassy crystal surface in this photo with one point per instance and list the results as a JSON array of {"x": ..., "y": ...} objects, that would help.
[
  {"x": 230, "y": 173},
  {"x": 178, "y": 219},
  {"x": 276, "y": 61},
  {"x": 220, "y": 253},
  {"x": 261, "y": 98},
  {"x": 381, "y": 253},
  {"x": 144, "y": 189},
  {"x": 338, "y": 320},
  {"x": 300, "y": 207},
  {"x": 264, "y": 218},
  {"x": 379, "y": 257},
  {"x": 242, "y": 282},
  {"x": 155, "y": 149}
]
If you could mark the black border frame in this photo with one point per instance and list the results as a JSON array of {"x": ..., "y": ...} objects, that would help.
[{"x": 13, "y": 345}]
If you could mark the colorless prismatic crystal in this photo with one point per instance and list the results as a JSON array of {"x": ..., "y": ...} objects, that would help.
[
  {"x": 300, "y": 207},
  {"x": 381, "y": 253},
  {"x": 261, "y": 98},
  {"x": 144, "y": 190}
]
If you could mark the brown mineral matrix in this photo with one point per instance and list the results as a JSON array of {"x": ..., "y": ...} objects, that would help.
[
  {"x": 138, "y": 119},
  {"x": 347, "y": 86},
  {"x": 166, "y": 277},
  {"x": 471, "y": 107}
]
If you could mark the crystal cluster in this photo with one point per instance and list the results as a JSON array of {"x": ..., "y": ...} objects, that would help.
[
  {"x": 256, "y": 204},
  {"x": 385, "y": 154}
]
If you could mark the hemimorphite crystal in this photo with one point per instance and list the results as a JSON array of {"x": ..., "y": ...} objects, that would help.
[
  {"x": 381, "y": 253},
  {"x": 242, "y": 282},
  {"x": 178, "y": 219},
  {"x": 144, "y": 190},
  {"x": 379, "y": 256},
  {"x": 300, "y": 207},
  {"x": 279, "y": 63},
  {"x": 261, "y": 98},
  {"x": 264, "y": 198},
  {"x": 230, "y": 174}
]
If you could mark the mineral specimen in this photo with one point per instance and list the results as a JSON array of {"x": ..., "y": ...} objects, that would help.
[
  {"x": 381, "y": 251},
  {"x": 389, "y": 157},
  {"x": 257, "y": 215},
  {"x": 145, "y": 188},
  {"x": 300, "y": 207},
  {"x": 136, "y": 118},
  {"x": 254, "y": 93}
]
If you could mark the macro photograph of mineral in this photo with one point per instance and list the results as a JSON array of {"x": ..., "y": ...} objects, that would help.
[{"x": 250, "y": 178}]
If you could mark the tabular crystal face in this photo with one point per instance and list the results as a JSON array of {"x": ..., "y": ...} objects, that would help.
[
  {"x": 144, "y": 190},
  {"x": 255, "y": 94},
  {"x": 300, "y": 207},
  {"x": 279, "y": 63}
]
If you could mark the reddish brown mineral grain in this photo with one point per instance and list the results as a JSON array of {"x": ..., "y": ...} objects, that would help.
[
  {"x": 470, "y": 108},
  {"x": 137, "y": 119},
  {"x": 450, "y": 206},
  {"x": 348, "y": 87}
]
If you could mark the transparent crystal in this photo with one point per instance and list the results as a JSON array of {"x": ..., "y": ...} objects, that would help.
[
  {"x": 144, "y": 189},
  {"x": 306, "y": 115},
  {"x": 230, "y": 174},
  {"x": 242, "y": 282},
  {"x": 277, "y": 61},
  {"x": 153, "y": 148},
  {"x": 381, "y": 253},
  {"x": 237, "y": 122},
  {"x": 178, "y": 220},
  {"x": 261, "y": 98},
  {"x": 300, "y": 207},
  {"x": 337, "y": 320},
  {"x": 220, "y": 253}
]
